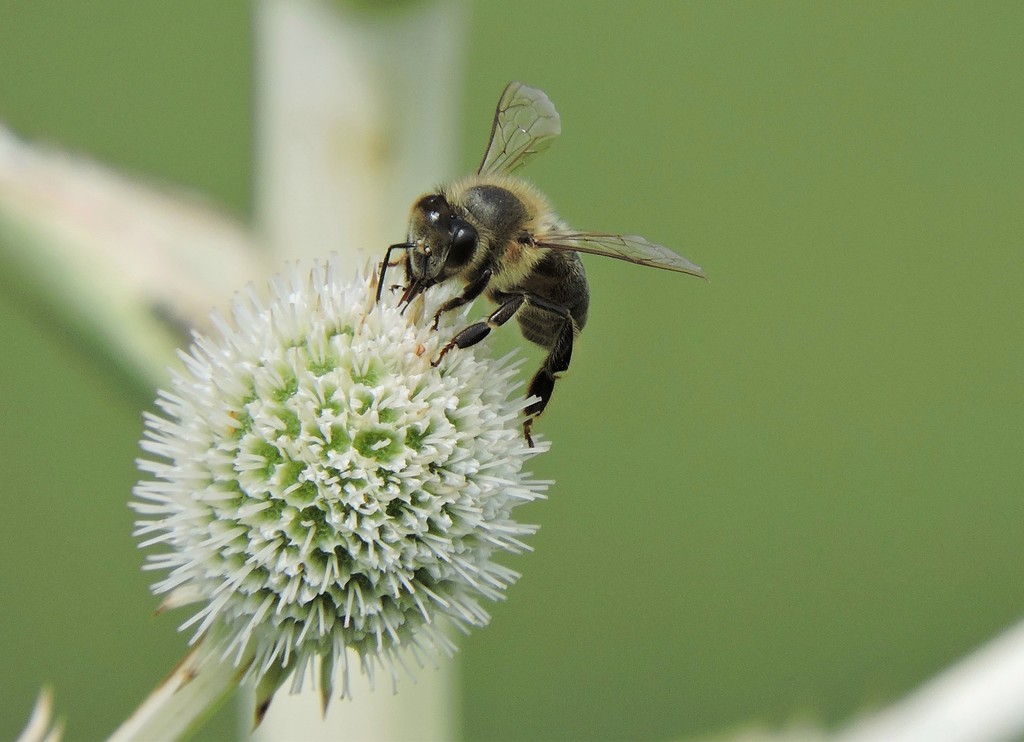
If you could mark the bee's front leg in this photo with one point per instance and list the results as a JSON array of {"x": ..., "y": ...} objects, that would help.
[{"x": 473, "y": 289}]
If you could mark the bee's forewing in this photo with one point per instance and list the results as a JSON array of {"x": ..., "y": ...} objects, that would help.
[
  {"x": 525, "y": 123},
  {"x": 629, "y": 247}
]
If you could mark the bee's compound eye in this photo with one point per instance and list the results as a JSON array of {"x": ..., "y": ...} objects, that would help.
[
  {"x": 434, "y": 207},
  {"x": 463, "y": 242}
]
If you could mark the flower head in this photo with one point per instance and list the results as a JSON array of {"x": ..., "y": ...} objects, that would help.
[{"x": 318, "y": 487}]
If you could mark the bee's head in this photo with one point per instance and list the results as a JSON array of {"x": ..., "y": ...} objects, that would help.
[{"x": 441, "y": 242}]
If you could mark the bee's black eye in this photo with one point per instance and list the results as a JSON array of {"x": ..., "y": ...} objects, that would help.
[
  {"x": 463, "y": 243},
  {"x": 434, "y": 207}
]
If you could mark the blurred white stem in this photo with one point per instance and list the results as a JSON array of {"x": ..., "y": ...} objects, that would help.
[
  {"x": 41, "y": 727},
  {"x": 356, "y": 116},
  {"x": 124, "y": 264},
  {"x": 980, "y": 698}
]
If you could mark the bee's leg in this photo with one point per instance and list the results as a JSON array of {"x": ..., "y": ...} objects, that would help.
[
  {"x": 473, "y": 289},
  {"x": 479, "y": 330},
  {"x": 543, "y": 382}
]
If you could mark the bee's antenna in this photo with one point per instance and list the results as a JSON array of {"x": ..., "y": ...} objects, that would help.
[{"x": 387, "y": 264}]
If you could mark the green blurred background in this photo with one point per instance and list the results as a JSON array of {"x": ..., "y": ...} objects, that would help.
[{"x": 791, "y": 493}]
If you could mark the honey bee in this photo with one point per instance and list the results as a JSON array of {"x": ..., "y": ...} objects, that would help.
[{"x": 499, "y": 237}]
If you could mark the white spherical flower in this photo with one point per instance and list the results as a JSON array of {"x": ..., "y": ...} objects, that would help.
[{"x": 318, "y": 487}]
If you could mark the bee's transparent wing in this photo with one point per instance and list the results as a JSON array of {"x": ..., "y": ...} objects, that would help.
[
  {"x": 525, "y": 122},
  {"x": 629, "y": 247}
]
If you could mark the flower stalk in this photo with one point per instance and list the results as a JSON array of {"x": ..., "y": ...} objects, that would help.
[{"x": 183, "y": 701}]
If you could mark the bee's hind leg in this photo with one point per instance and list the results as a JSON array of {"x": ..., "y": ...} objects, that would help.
[{"x": 543, "y": 383}]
